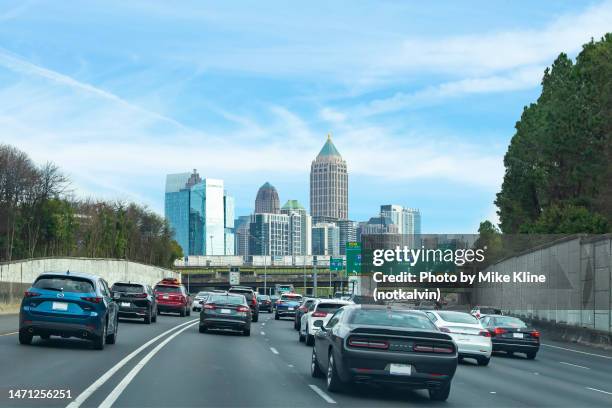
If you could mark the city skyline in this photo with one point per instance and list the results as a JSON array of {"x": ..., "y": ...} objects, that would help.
[{"x": 422, "y": 112}]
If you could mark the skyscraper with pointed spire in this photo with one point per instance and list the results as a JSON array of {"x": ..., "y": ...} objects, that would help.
[{"x": 328, "y": 185}]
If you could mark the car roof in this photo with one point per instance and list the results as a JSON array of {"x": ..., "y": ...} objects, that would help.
[
  {"x": 70, "y": 273},
  {"x": 128, "y": 283},
  {"x": 385, "y": 307},
  {"x": 335, "y": 301}
]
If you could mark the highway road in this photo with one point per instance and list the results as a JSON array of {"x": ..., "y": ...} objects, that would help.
[{"x": 171, "y": 364}]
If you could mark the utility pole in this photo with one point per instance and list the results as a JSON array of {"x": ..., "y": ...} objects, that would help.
[{"x": 314, "y": 276}]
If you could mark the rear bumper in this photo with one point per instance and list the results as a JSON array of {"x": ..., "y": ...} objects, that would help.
[
  {"x": 285, "y": 312},
  {"x": 515, "y": 346},
  {"x": 473, "y": 349},
  {"x": 90, "y": 327},
  {"x": 170, "y": 307},
  {"x": 220, "y": 323},
  {"x": 133, "y": 312}
]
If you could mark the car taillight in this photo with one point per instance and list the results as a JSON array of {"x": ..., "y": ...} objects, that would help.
[
  {"x": 422, "y": 348},
  {"x": 254, "y": 302},
  {"x": 485, "y": 333},
  {"x": 210, "y": 306},
  {"x": 499, "y": 330},
  {"x": 365, "y": 343},
  {"x": 30, "y": 294},
  {"x": 242, "y": 309},
  {"x": 319, "y": 314},
  {"x": 92, "y": 299},
  {"x": 535, "y": 333}
]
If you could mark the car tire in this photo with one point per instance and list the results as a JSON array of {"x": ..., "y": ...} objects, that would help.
[
  {"x": 309, "y": 338},
  {"x": 440, "y": 394},
  {"x": 182, "y": 312},
  {"x": 25, "y": 337},
  {"x": 334, "y": 384},
  {"x": 147, "y": 318},
  {"x": 301, "y": 337},
  {"x": 202, "y": 329},
  {"x": 315, "y": 370},
  {"x": 99, "y": 341},
  {"x": 531, "y": 355},
  {"x": 154, "y": 316},
  {"x": 246, "y": 332},
  {"x": 112, "y": 338},
  {"x": 188, "y": 311},
  {"x": 255, "y": 318},
  {"x": 483, "y": 361},
  {"x": 276, "y": 317}
]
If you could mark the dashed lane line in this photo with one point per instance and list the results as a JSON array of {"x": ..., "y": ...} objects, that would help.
[
  {"x": 574, "y": 365},
  {"x": 272, "y": 349},
  {"x": 322, "y": 394},
  {"x": 576, "y": 351}
]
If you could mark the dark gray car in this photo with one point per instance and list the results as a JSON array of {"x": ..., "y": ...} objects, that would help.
[{"x": 226, "y": 311}]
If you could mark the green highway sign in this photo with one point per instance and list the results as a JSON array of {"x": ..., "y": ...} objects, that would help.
[
  {"x": 336, "y": 264},
  {"x": 353, "y": 258}
]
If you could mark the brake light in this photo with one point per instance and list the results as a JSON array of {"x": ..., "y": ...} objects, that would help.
[
  {"x": 365, "y": 343},
  {"x": 30, "y": 294},
  {"x": 319, "y": 314},
  {"x": 423, "y": 348},
  {"x": 254, "y": 301},
  {"x": 499, "y": 330},
  {"x": 92, "y": 299},
  {"x": 210, "y": 306},
  {"x": 242, "y": 309},
  {"x": 485, "y": 333},
  {"x": 535, "y": 333}
]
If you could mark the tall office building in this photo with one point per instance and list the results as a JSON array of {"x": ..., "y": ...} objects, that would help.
[
  {"x": 241, "y": 234},
  {"x": 269, "y": 234},
  {"x": 408, "y": 221},
  {"x": 300, "y": 228},
  {"x": 200, "y": 213},
  {"x": 328, "y": 185},
  {"x": 326, "y": 239},
  {"x": 348, "y": 233},
  {"x": 267, "y": 200}
]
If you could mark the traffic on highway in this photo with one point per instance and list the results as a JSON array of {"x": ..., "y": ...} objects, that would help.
[{"x": 80, "y": 342}]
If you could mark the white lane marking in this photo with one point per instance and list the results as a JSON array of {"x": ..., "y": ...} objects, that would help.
[
  {"x": 595, "y": 389},
  {"x": 492, "y": 392},
  {"x": 105, "y": 377},
  {"x": 574, "y": 365},
  {"x": 322, "y": 394},
  {"x": 8, "y": 334},
  {"x": 290, "y": 365},
  {"x": 115, "y": 393},
  {"x": 576, "y": 351},
  {"x": 263, "y": 324},
  {"x": 263, "y": 333},
  {"x": 272, "y": 349}
]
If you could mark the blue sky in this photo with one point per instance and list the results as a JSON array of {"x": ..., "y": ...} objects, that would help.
[{"x": 421, "y": 98}]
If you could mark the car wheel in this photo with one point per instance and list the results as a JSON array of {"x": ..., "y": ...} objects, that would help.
[
  {"x": 315, "y": 370},
  {"x": 531, "y": 355},
  {"x": 25, "y": 337},
  {"x": 182, "y": 312},
  {"x": 333, "y": 380},
  {"x": 483, "y": 361},
  {"x": 255, "y": 318},
  {"x": 309, "y": 339},
  {"x": 246, "y": 332},
  {"x": 202, "y": 329},
  {"x": 301, "y": 337},
  {"x": 147, "y": 318},
  {"x": 276, "y": 316},
  {"x": 440, "y": 394},
  {"x": 154, "y": 316},
  {"x": 112, "y": 338},
  {"x": 98, "y": 342},
  {"x": 188, "y": 311}
]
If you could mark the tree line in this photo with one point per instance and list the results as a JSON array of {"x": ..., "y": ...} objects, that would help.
[
  {"x": 39, "y": 217},
  {"x": 558, "y": 177}
]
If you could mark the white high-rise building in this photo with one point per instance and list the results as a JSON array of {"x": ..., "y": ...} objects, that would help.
[
  {"x": 326, "y": 239},
  {"x": 300, "y": 228},
  {"x": 328, "y": 185},
  {"x": 408, "y": 221}
]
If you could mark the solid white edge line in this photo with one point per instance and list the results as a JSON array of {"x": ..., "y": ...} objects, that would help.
[
  {"x": 576, "y": 351},
  {"x": 272, "y": 349},
  {"x": 322, "y": 394},
  {"x": 8, "y": 334},
  {"x": 116, "y": 392},
  {"x": 107, "y": 375},
  {"x": 574, "y": 365},
  {"x": 595, "y": 389}
]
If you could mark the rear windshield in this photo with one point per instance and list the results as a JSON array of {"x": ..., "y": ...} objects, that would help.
[
  {"x": 202, "y": 294},
  {"x": 489, "y": 310},
  {"x": 263, "y": 297},
  {"x": 127, "y": 288},
  {"x": 64, "y": 284},
  {"x": 293, "y": 298},
  {"x": 508, "y": 321},
  {"x": 328, "y": 307},
  {"x": 226, "y": 300},
  {"x": 395, "y": 318},
  {"x": 167, "y": 289},
  {"x": 247, "y": 293},
  {"x": 457, "y": 317}
]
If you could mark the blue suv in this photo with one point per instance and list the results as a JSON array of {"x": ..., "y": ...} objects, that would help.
[{"x": 69, "y": 304}]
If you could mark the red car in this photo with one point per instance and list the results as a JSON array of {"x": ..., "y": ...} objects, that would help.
[{"x": 172, "y": 297}]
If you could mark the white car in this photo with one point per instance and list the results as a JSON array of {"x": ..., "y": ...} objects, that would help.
[
  {"x": 198, "y": 300},
  {"x": 472, "y": 340},
  {"x": 319, "y": 311}
]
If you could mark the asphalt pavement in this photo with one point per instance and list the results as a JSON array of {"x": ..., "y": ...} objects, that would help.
[{"x": 169, "y": 363}]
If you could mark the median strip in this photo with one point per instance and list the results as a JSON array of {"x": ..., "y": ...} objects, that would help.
[
  {"x": 322, "y": 394},
  {"x": 107, "y": 375}
]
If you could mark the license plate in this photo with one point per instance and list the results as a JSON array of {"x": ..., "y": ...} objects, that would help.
[
  {"x": 166, "y": 297},
  {"x": 400, "y": 369},
  {"x": 59, "y": 306},
  {"x": 125, "y": 304},
  {"x": 517, "y": 335},
  {"x": 290, "y": 309},
  {"x": 225, "y": 311}
]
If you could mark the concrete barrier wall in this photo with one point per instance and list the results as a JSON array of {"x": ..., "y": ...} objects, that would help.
[
  {"x": 15, "y": 277},
  {"x": 577, "y": 292}
]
